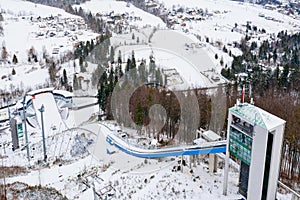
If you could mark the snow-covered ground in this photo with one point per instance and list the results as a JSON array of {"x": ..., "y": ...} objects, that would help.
[
  {"x": 48, "y": 30},
  {"x": 121, "y": 7},
  {"x": 225, "y": 13},
  {"x": 191, "y": 59},
  {"x": 130, "y": 177}
]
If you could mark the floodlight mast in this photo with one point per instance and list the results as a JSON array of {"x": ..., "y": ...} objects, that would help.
[{"x": 42, "y": 109}]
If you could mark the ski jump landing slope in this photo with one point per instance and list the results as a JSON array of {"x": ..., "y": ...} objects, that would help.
[
  {"x": 206, "y": 148},
  {"x": 51, "y": 115}
]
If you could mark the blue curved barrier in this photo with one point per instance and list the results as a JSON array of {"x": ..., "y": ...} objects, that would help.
[{"x": 167, "y": 152}]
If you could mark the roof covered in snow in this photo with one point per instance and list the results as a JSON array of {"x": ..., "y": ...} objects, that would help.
[{"x": 257, "y": 116}]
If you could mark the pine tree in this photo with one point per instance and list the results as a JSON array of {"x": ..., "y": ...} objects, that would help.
[
  {"x": 92, "y": 44},
  {"x": 139, "y": 114},
  {"x": 142, "y": 72},
  {"x": 119, "y": 57},
  {"x": 80, "y": 60},
  {"x": 216, "y": 56},
  {"x": 112, "y": 54},
  {"x": 275, "y": 55},
  {"x": 284, "y": 76},
  {"x": 128, "y": 65},
  {"x": 75, "y": 83},
  {"x": 1, "y": 30},
  {"x": 65, "y": 78},
  {"x": 111, "y": 80},
  {"x": 222, "y": 62},
  {"x": 158, "y": 77},
  {"x": 102, "y": 97},
  {"x": 52, "y": 72},
  {"x": 13, "y": 71},
  {"x": 35, "y": 58},
  {"x": 121, "y": 73},
  {"x": 133, "y": 62},
  {"x": 224, "y": 49},
  {"x": 15, "y": 60}
]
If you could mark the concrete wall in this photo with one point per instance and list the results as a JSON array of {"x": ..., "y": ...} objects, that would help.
[
  {"x": 275, "y": 162},
  {"x": 257, "y": 166}
]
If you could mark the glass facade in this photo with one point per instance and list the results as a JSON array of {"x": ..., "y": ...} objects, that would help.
[{"x": 240, "y": 144}]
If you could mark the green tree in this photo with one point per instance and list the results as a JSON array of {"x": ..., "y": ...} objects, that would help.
[
  {"x": 142, "y": 71},
  {"x": 284, "y": 76},
  {"x": 102, "y": 97},
  {"x": 133, "y": 62},
  {"x": 65, "y": 78},
  {"x": 275, "y": 55},
  {"x": 75, "y": 83},
  {"x": 139, "y": 114},
  {"x": 111, "y": 80},
  {"x": 80, "y": 60},
  {"x": 112, "y": 54},
  {"x": 119, "y": 57},
  {"x": 222, "y": 62},
  {"x": 158, "y": 77},
  {"x": 216, "y": 56},
  {"x": 128, "y": 65},
  {"x": 15, "y": 59}
]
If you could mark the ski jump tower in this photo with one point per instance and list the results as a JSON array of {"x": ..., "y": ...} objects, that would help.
[{"x": 255, "y": 137}]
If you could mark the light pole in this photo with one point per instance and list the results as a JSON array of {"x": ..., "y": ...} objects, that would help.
[
  {"x": 42, "y": 109},
  {"x": 25, "y": 128},
  {"x": 10, "y": 125}
]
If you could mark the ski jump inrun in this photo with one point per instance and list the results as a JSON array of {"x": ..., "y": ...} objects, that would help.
[{"x": 205, "y": 148}]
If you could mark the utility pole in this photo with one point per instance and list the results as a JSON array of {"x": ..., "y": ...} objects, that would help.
[
  {"x": 42, "y": 109},
  {"x": 25, "y": 128}
]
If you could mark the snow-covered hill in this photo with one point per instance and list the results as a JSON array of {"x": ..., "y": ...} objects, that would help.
[
  {"x": 43, "y": 30},
  {"x": 224, "y": 14},
  {"x": 121, "y": 7}
]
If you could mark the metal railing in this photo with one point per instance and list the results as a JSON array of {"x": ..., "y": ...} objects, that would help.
[{"x": 296, "y": 196}]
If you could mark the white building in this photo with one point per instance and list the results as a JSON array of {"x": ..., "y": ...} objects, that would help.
[{"x": 255, "y": 138}]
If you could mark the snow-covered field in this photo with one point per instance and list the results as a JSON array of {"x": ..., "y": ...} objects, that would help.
[
  {"x": 48, "y": 30},
  {"x": 121, "y": 7},
  {"x": 191, "y": 59},
  {"x": 226, "y": 13}
]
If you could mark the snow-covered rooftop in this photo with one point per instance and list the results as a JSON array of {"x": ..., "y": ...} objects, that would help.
[{"x": 257, "y": 115}]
